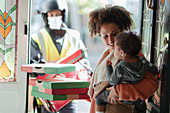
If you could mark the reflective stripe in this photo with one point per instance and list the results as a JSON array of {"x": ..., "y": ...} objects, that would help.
[
  {"x": 51, "y": 51},
  {"x": 39, "y": 101},
  {"x": 48, "y": 48},
  {"x": 42, "y": 45}
]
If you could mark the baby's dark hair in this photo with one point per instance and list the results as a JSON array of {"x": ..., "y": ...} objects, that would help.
[
  {"x": 115, "y": 14},
  {"x": 129, "y": 42}
]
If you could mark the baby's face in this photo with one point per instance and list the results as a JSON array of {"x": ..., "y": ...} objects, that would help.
[{"x": 117, "y": 52}]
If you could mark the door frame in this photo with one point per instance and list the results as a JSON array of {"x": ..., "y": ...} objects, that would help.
[{"x": 13, "y": 93}]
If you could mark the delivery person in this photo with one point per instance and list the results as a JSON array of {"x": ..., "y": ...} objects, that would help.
[{"x": 55, "y": 41}]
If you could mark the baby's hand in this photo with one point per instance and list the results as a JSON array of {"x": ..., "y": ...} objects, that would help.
[{"x": 108, "y": 62}]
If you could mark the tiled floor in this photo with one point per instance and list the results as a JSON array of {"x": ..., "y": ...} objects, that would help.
[{"x": 83, "y": 106}]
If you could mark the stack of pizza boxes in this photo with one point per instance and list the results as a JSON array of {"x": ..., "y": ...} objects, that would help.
[{"x": 58, "y": 81}]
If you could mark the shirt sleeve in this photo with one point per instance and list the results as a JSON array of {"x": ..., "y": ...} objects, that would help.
[
  {"x": 152, "y": 68},
  {"x": 85, "y": 59},
  {"x": 113, "y": 75},
  {"x": 35, "y": 53}
]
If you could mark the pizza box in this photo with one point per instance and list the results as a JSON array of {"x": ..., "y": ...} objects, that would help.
[
  {"x": 59, "y": 97},
  {"x": 72, "y": 58},
  {"x": 61, "y": 91},
  {"x": 48, "y": 68},
  {"x": 59, "y": 83}
]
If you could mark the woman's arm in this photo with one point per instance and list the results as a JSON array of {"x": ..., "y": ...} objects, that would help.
[{"x": 143, "y": 89}]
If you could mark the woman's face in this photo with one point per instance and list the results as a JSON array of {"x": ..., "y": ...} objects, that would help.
[{"x": 108, "y": 33}]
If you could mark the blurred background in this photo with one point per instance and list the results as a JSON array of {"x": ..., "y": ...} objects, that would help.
[{"x": 78, "y": 20}]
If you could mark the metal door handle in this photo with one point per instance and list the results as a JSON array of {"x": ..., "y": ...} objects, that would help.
[{"x": 25, "y": 28}]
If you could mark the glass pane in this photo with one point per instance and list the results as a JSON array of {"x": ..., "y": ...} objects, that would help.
[
  {"x": 147, "y": 32},
  {"x": 160, "y": 38},
  {"x": 7, "y": 39}
]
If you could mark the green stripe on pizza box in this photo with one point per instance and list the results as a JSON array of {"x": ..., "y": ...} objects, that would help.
[
  {"x": 61, "y": 91},
  {"x": 75, "y": 59},
  {"x": 64, "y": 68},
  {"x": 49, "y": 68},
  {"x": 48, "y": 96},
  {"x": 72, "y": 58},
  {"x": 65, "y": 84},
  {"x": 35, "y": 88},
  {"x": 59, "y": 97}
]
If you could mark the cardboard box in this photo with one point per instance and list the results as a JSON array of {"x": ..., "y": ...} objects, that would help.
[
  {"x": 59, "y": 97},
  {"x": 61, "y": 91},
  {"x": 60, "y": 83},
  {"x": 48, "y": 68},
  {"x": 73, "y": 58}
]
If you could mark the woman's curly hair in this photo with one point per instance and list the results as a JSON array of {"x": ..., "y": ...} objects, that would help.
[{"x": 115, "y": 14}]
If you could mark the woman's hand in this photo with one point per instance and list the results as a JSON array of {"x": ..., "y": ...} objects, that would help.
[
  {"x": 90, "y": 91},
  {"x": 112, "y": 98}
]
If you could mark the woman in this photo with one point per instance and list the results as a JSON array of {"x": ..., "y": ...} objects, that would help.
[{"x": 107, "y": 23}]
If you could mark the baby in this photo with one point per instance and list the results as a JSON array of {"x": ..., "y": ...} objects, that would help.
[{"x": 130, "y": 69}]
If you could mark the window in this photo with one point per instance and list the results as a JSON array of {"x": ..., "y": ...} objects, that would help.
[{"x": 8, "y": 39}]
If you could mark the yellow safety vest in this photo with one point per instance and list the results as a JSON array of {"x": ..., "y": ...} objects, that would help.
[{"x": 51, "y": 51}]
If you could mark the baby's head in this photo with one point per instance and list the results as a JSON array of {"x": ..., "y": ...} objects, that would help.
[{"x": 127, "y": 44}]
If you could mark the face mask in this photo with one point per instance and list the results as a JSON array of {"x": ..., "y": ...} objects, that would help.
[{"x": 55, "y": 22}]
